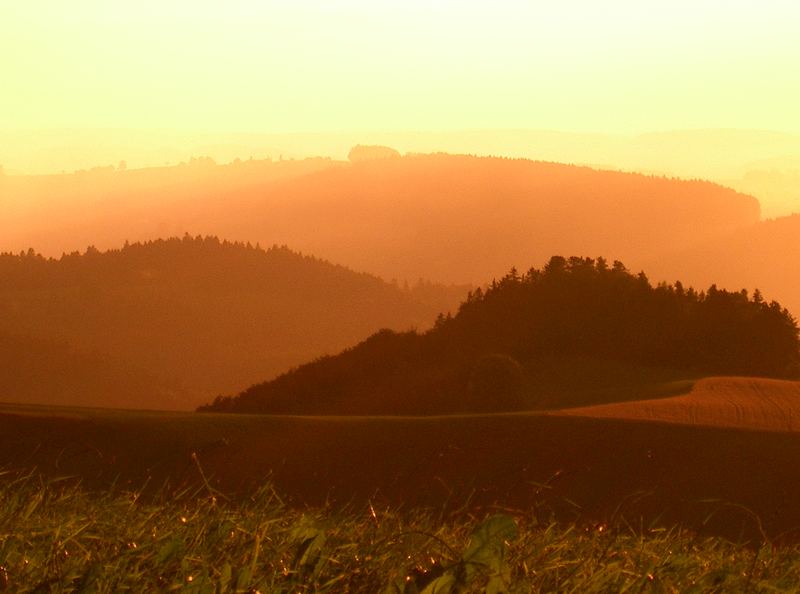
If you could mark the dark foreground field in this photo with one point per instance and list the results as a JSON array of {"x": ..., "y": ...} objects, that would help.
[
  {"x": 742, "y": 483},
  {"x": 56, "y": 537}
]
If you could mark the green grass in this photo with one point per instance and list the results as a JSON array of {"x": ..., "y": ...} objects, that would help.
[{"x": 57, "y": 537}]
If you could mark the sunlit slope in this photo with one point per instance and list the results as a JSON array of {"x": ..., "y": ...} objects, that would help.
[
  {"x": 744, "y": 403},
  {"x": 442, "y": 217},
  {"x": 209, "y": 315}
]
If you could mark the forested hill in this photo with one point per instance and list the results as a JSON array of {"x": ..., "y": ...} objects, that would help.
[
  {"x": 577, "y": 331},
  {"x": 204, "y": 314},
  {"x": 765, "y": 255},
  {"x": 448, "y": 218},
  {"x": 460, "y": 218}
]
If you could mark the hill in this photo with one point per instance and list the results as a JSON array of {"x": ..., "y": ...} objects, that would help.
[
  {"x": 49, "y": 212},
  {"x": 741, "y": 402},
  {"x": 576, "y": 332},
  {"x": 205, "y": 315},
  {"x": 449, "y": 218},
  {"x": 457, "y": 218},
  {"x": 51, "y": 372}
]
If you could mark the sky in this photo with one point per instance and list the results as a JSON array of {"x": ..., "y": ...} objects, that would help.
[{"x": 619, "y": 66}]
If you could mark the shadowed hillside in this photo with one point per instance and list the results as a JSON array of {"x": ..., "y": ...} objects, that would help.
[
  {"x": 444, "y": 217},
  {"x": 576, "y": 332},
  {"x": 206, "y": 315},
  {"x": 48, "y": 372}
]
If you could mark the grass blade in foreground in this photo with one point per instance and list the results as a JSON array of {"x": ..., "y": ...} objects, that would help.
[{"x": 57, "y": 537}]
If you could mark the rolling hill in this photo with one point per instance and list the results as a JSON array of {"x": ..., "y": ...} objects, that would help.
[
  {"x": 51, "y": 372},
  {"x": 461, "y": 218},
  {"x": 106, "y": 206},
  {"x": 448, "y": 218},
  {"x": 727, "y": 156},
  {"x": 204, "y": 316},
  {"x": 756, "y": 404},
  {"x": 576, "y": 332}
]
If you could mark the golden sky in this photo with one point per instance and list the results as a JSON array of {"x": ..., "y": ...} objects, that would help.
[{"x": 618, "y": 66}]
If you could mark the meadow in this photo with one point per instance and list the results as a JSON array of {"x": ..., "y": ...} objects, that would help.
[
  {"x": 683, "y": 486},
  {"x": 58, "y": 537},
  {"x": 690, "y": 488}
]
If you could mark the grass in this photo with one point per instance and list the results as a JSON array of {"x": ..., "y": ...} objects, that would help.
[{"x": 56, "y": 536}]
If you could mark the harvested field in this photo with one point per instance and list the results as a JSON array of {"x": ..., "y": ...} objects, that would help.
[
  {"x": 735, "y": 480},
  {"x": 740, "y": 402}
]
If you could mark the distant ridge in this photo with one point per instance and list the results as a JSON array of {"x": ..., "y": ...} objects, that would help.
[
  {"x": 205, "y": 315},
  {"x": 460, "y": 218},
  {"x": 448, "y": 218}
]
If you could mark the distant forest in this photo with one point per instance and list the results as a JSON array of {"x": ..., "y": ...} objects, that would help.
[
  {"x": 578, "y": 331},
  {"x": 185, "y": 318},
  {"x": 447, "y": 218}
]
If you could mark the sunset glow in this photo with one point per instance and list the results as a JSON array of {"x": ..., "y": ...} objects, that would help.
[
  {"x": 245, "y": 66},
  {"x": 400, "y": 296}
]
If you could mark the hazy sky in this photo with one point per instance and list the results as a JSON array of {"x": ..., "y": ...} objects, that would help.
[{"x": 302, "y": 65}]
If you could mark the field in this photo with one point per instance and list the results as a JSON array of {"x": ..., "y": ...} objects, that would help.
[
  {"x": 584, "y": 464},
  {"x": 651, "y": 495},
  {"x": 741, "y": 402},
  {"x": 58, "y": 538}
]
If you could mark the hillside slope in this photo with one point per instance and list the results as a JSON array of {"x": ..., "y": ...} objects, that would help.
[
  {"x": 448, "y": 218},
  {"x": 209, "y": 316},
  {"x": 47, "y": 372},
  {"x": 49, "y": 212},
  {"x": 460, "y": 218},
  {"x": 744, "y": 403},
  {"x": 576, "y": 332}
]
